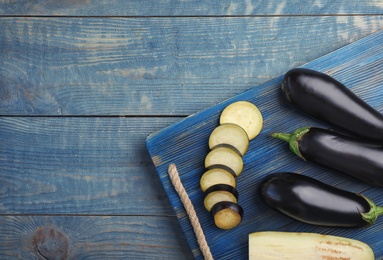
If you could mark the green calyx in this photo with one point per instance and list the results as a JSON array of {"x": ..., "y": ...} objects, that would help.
[
  {"x": 375, "y": 211},
  {"x": 293, "y": 139}
]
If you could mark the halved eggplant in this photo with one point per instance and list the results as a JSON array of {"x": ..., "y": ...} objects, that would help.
[
  {"x": 225, "y": 156},
  {"x": 218, "y": 193},
  {"x": 216, "y": 175},
  {"x": 230, "y": 134},
  {"x": 246, "y": 115},
  {"x": 227, "y": 215},
  {"x": 274, "y": 245}
]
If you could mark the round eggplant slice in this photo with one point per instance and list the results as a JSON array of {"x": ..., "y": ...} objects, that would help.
[
  {"x": 219, "y": 193},
  {"x": 230, "y": 134},
  {"x": 246, "y": 115},
  {"x": 215, "y": 176},
  {"x": 223, "y": 167},
  {"x": 227, "y": 215},
  {"x": 225, "y": 156}
]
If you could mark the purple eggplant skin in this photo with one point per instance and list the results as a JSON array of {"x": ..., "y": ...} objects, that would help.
[
  {"x": 313, "y": 202},
  {"x": 328, "y": 100},
  {"x": 352, "y": 156}
]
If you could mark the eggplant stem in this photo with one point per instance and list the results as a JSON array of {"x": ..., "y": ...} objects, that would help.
[
  {"x": 375, "y": 211},
  {"x": 282, "y": 136},
  {"x": 293, "y": 139},
  {"x": 379, "y": 211}
]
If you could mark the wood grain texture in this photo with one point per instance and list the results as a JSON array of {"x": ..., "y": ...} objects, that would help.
[
  {"x": 187, "y": 8},
  {"x": 79, "y": 166},
  {"x": 91, "y": 237},
  {"x": 75, "y": 178},
  {"x": 185, "y": 143},
  {"x": 146, "y": 66}
]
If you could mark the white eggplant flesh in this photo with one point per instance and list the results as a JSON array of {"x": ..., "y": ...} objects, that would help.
[
  {"x": 246, "y": 115},
  {"x": 227, "y": 215},
  {"x": 232, "y": 135},
  {"x": 218, "y": 196},
  {"x": 274, "y": 245},
  {"x": 215, "y": 176},
  {"x": 225, "y": 156}
]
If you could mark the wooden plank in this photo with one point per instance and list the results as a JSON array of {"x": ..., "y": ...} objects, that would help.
[
  {"x": 190, "y": 7},
  {"x": 146, "y": 66},
  {"x": 93, "y": 237},
  {"x": 79, "y": 166},
  {"x": 185, "y": 143}
]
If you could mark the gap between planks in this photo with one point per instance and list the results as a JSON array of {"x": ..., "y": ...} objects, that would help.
[
  {"x": 95, "y": 116},
  {"x": 84, "y": 215},
  {"x": 184, "y": 16}
]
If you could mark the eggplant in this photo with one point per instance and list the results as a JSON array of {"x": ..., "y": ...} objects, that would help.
[
  {"x": 244, "y": 114},
  {"x": 226, "y": 214},
  {"x": 328, "y": 100},
  {"x": 214, "y": 176},
  {"x": 225, "y": 157},
  {"x": 276, "y": 245},
  {"x": 218, "y": 193},
  {"x": 231, "y": 135},
  {"x": 353, "y": 156},
  {"x": 311, "y": 201}
]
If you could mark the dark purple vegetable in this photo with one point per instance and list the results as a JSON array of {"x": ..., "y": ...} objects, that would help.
[
  {"x": 326, "y": 99},
  {"x": 311, "y": 201},
  {"x": 352, "y": 156}
]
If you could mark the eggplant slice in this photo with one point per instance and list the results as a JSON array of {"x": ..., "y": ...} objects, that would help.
[
  {"x": 225, "y": 156},
  {"x": 232, "y": 135},
  {"x": 246, "y": 115},
  {"x": 216, "y": 175},
  {"x": 227, "y": 215},
  {"x": 219, "y": 193}
]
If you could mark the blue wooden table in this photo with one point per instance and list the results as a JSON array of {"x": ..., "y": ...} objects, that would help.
[{"x": 83, "y": 83}]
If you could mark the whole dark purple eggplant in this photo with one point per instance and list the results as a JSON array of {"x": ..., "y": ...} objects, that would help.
[
  {"x": 311, "y": 201},
  {"x": 353, "y": 156},
  {"x": 326, "y": 99}
]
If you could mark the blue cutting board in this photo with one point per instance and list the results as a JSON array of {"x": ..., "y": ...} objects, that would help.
[{"x": 358, "y": 65}]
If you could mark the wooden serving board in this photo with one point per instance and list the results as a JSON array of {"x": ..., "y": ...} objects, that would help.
[{"x": 358, "y": 65}]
